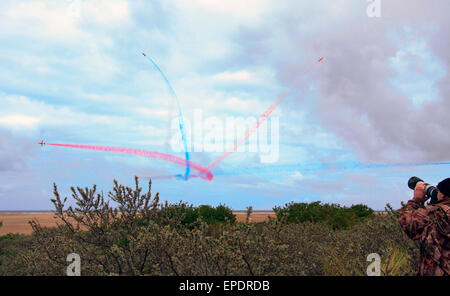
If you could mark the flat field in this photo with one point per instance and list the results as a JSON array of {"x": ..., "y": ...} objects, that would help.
[{"x": 17, "y": 222}]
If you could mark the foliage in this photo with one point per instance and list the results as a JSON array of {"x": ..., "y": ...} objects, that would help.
[
  {"x": 204, "y": 213},
  {"x": 381, "y": 235},
  {"x": 6, "y": 236},
  {"x": 333, "y": 215},
  {"x": 3, "y": 237},
  {"x": 141, "y": 236},
  {"x": 219, "y": 214},
  {"x": 11, "y": 247}
]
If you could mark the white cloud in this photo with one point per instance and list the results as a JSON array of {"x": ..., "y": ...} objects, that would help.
[
  {"x": 234, "y": 76},
  {"x": 19, "y": 112},
  {"x": 42, "y": 19},
  {"x": 297, "y": 176},
  {"x": 53, "y": 18},
  {"x": 239, "y": 105},
  {"x": 18, "y": 121},
  {"x": 153, "y": 113},
  {"x": 96, "y": 64},
  {"x": 35, "y": 25},
  {"x": 245, "y": 11},
  {"x": 50, "y": 22},
  {"x": 106, "y": 12}
]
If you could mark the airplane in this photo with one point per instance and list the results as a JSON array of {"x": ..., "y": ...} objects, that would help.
[
  {"x": 144, "y": 54},
  {"x": 321, "y": 59},
  {"x": 42, "y": 143}
]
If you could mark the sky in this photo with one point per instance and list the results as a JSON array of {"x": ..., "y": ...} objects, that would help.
[{"x": 72, "y": 72}]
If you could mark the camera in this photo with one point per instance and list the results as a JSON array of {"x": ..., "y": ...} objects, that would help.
[{"x": 431, "y": 192}]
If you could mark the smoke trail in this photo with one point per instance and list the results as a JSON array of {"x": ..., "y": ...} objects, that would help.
[
  {"x": 320, "y": 167},
  {"x": 180, "y": 114},
  {"x": 261, "y": 119},
  {"x": 249, "y": 132},
  {"x": 204, "y": 172},
  {"x": 306, "y": 167}
]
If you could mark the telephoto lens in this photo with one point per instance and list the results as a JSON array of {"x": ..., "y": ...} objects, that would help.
[
  {"x": 413, "y": 181},
  {"x": 430, "y": 191}
]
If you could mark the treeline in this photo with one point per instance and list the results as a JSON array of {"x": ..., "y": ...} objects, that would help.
[
  {"x": 130, "y": 232},
  {"x": 335, "y": 216}
]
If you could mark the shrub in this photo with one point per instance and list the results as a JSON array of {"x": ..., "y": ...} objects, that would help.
[
  {"x": 192, "y": 216},
  {"x": 333, "y": 215},
  {"x": 4, "y": 237},
  {"x": 189, "y": 214},
  {"x": 212, "y": 215},
  {"x": 11, "y": 248},
  {"x": 381, "y": 235},
  {"x": 362, "y": 211},
  {"x": 141, "y": 236}
]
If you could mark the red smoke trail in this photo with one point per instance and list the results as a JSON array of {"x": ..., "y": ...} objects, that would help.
[
  {"x": 263, "y": 117},
  {"x": 205, "y": 173},
  {"x": 250, "y": 131}
]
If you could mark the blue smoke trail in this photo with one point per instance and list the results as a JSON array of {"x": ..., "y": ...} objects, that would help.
[
  {"x": 311, "y": 167},
  {"x": 180, "y": 114},
  {"x": 319, "y": 167}
]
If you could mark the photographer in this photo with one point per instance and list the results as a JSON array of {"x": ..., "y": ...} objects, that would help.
[{"x": 430, "y": 226}]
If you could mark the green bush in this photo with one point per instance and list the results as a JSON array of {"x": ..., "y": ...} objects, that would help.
[
  {"x": 333, "y": 215},
  {"x": 362, "y": 211},
  {"x": 212, "y": 215},
  {"x": 6, "y": 236},
  {"x": 192, "y": 216},
  {"x": 11, "y": 246},
  {"x": 187, "y": 214}
]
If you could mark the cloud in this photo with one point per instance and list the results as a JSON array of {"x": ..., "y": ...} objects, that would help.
[
  {"x": 380, "y": 95},
  {"x": 241, "y": 105},
  {"x": 26, "y": 116},
  {"x": 14, "y": 153},
  {"x": 34, "y": 111},
  {"x": 19, "y": 121},
  {"x": 106, "y": 12},
  {"x": 64, "y": 19},
  {"x": 234, "y": 76},
  {"x": 49, "y": 20},
  {"x": 297, "y": 176},
  {"x": 357, "y": 101},
  {"x": 245, "y": 11}
]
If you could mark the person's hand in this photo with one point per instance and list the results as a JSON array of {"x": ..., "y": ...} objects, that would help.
[{"x": 419, "y": 192}]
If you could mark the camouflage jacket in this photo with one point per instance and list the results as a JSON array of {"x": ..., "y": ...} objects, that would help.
[{"x": 430, "y": 226}]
